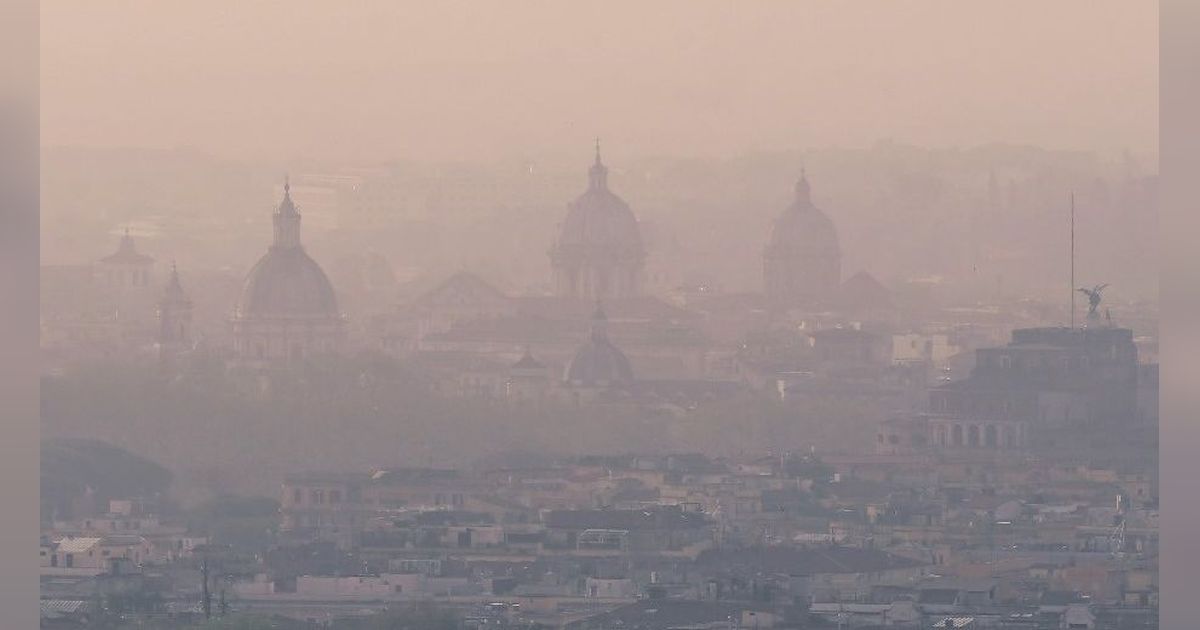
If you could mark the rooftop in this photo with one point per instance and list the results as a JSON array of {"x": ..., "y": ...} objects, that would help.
[{"x": 805, "y": 561}]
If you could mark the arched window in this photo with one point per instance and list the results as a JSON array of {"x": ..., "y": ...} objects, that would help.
[{"x": 990, "y": 439}]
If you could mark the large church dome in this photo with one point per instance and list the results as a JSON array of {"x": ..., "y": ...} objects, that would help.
[
  {"x": 600, "y": 222},
  {"x": 599, "y": 251},
  {"x": 287, "y": 309},
  {"x": 802, "y": 261},
  {"x": 287, "y": 283}
]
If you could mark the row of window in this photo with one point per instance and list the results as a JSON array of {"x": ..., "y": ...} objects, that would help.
[
  {"x": 1005, "y": 361},
  {"x": 972, "y": 436},
  {"x": 134, "y": 277},
  {"x": 317, "y": 497}
]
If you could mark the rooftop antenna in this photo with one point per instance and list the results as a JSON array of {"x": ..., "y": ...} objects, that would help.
[{"x": 1072, "y": 287}]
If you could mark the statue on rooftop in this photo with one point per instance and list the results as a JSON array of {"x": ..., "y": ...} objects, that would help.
[{"x": 1094, "y": 296}]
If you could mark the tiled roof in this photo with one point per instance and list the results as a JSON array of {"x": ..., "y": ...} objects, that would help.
[
  {"x": 63, "y": 606},
  {"x": 624, "y": 519},
  {"x": 656, "y": 614},
  {"x": 801, "y": 561},
  {"x": 77, "y": 544}
]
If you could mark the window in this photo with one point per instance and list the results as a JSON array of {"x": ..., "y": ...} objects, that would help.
[
  {"x": 297, "y": 496},
  {"x": 990, "y": 436}
]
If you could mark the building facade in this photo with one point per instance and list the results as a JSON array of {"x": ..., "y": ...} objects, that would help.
[{"x": 1046, "y": 379}]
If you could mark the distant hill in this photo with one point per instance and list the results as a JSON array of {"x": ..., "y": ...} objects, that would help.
[{"x": 73, "y": 468}]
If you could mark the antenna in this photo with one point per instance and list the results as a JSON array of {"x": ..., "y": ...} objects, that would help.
[{"x": 1072, "y": 287}]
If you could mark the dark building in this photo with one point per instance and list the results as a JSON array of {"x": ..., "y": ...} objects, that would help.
[{"x": 1044, "y": 379}]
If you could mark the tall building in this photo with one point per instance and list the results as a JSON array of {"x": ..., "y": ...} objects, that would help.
[
  {"x": 288, "y": 309},
  {"x": 802, "y": 264},
  {"x": 599, "y": 253},
  {"x": 174, "y": 319}
]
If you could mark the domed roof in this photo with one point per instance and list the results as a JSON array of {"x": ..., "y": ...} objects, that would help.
[
  {"x": 599, "y": 220},
  {"x": 598, "y": 363},
  {"x": 804, "y": 228},
  {"x": 286, "y": 281},
  {"x": 127, "y": 253},
  {"x": 527, "y": 362}
]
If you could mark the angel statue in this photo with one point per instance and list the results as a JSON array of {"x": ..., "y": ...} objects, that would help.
[{"x": 1093, "y": 295}]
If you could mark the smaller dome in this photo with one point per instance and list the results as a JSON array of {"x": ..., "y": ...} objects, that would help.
[
  {"x": 127, "y": 253},
  {"x": 598, "y": 363},
  {"x": 527, "y": 362}
]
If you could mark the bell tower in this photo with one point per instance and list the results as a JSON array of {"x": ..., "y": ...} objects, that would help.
[{"x": 174, "y": 319}]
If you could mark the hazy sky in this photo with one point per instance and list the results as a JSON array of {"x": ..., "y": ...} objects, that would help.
[{"x": 379, "y": 79}]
